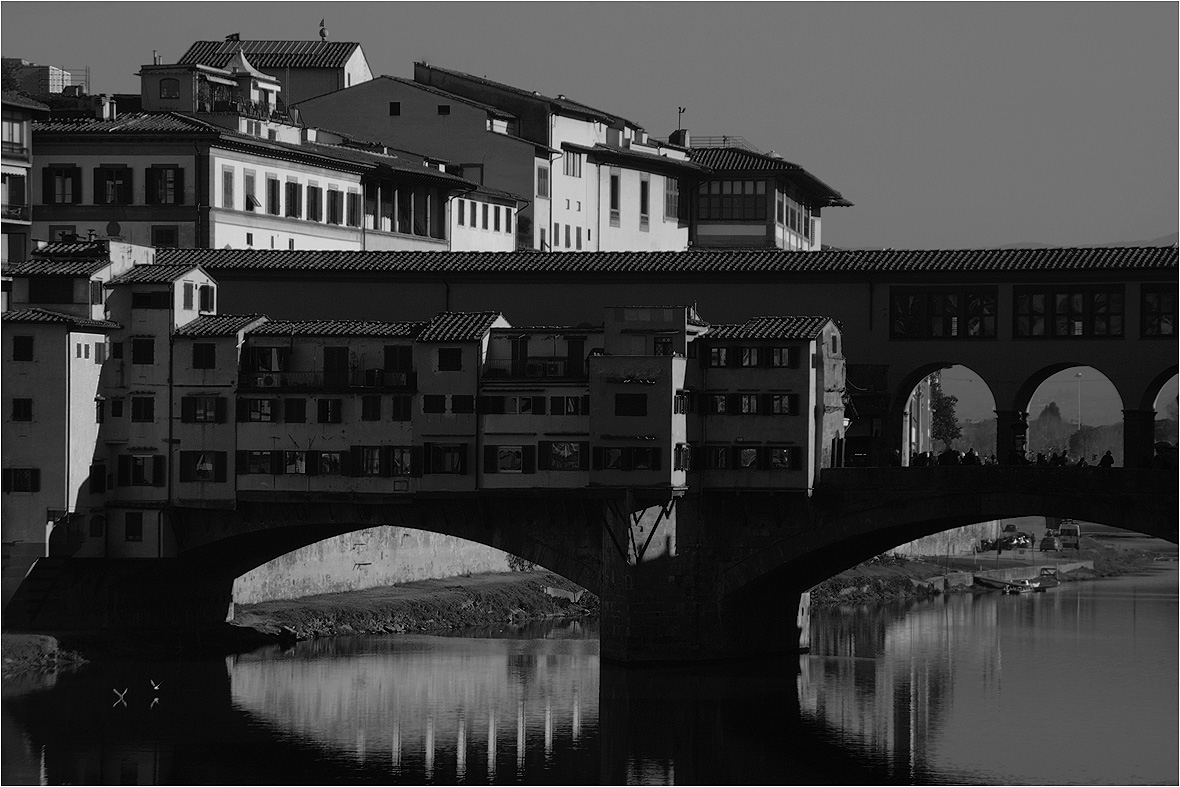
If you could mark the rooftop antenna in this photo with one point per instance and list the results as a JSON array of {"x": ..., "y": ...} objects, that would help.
[
  {"x": 679, "y": 112},
  {"x": 323, "y": 31}
]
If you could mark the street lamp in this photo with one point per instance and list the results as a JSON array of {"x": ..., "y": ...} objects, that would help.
[{"x": 1079, "y": 377}]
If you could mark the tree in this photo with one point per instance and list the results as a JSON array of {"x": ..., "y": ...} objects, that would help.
[{"x": 944, "y": 425}]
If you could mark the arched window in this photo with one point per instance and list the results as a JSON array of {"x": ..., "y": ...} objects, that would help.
[{"x": 169, "y": 88}]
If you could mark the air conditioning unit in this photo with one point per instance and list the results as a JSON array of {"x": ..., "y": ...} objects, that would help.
[
  {"x": 267, "y": 380},
  {"x": 554, "y": 368}
]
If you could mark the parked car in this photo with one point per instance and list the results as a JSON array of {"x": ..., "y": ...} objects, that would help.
[{"x": 1050, "y": 543}]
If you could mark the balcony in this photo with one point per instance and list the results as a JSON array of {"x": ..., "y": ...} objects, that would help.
[
  {"x": 359, "y": 379},
  {"x": 11, "y": 212},
  {"x": 533, "y": 368}
]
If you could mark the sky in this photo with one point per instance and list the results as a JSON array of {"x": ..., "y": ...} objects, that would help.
[{"x": 964, "y": 125}]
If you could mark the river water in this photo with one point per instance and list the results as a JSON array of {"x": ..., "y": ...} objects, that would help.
[{"x": 1078, "y": 685}]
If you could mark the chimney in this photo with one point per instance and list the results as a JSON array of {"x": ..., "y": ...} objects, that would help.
[
  {"x": 679, "y": 137},
  {"x": 234, "y": 37}
]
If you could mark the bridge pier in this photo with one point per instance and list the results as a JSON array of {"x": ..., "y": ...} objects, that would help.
[
  {"x": 1011, "y": 435},
  {"x": 1138, "y": 437}
]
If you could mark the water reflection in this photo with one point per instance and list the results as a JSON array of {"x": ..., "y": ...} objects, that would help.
[{"x": 995, "y": 689}]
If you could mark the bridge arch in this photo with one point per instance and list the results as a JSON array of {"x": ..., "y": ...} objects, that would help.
[
  {"x": 900, "y": 423},
  {"x": 1151, "y": 394}
]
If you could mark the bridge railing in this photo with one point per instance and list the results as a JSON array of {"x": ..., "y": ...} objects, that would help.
[{"x": 1015, "y": 477}]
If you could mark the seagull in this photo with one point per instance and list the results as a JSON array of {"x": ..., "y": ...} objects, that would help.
[
  {"x": 155, "y": 686},
  {"x": 122, "y": 697}
]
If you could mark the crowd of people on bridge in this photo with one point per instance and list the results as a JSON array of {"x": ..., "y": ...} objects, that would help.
[{"x": 951, "y": 457}]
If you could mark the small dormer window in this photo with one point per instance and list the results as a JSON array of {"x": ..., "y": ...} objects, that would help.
[
  {"x": 208, "y": 298},
  {"x": 170, "y": 88},
  {"x": 444, "y": 109}
]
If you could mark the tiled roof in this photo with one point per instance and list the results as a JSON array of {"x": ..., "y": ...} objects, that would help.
[
  {"x": 772, "y": 328},
  {"x": 609, "y": 154},
  {"x": 47, "y": 316},
  {"x": 735, "y": 159},
  {"x": 56, "y": 267},
  {"x": 559, "y": 101},
  {"x": 218, "y": 325},
  {"x": 152, "y": 274},
  {"x": 13, "y": 99},
  {"x": 338, "y": 328},
  {"x": 458, "y": 326},
  {"x": 92, "y": 249},
  {"x": 132, "y": 123},
  {"x": 272, "y": 54},
  {"x": 861, "y": 262}
]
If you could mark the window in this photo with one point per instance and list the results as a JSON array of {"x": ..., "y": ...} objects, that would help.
[
  {"x": 22, "y": 409},
  {"x": 462, "y": 403},
  {"x": 450, "y": 359},
  {"x": 169, "y": 88},
  {"x": 566, "y": 405},
  {"x": 295, "y": 410},
  {"x": 717, "y": 457},
  {"x": 446, "y": 458},
  {"x": 272, "y": 196},
  {"x": 249, "y": 200},
  {"x": 789, "y": 458},
  {"x": 395, "y": 108},
  {"x": 671, "y": 198},
  {"x": 294, "y": 200},
  {"x": 718, "y": 356},
  {"x": 112, "y": 186},
  {"x": 22, "y": 479},
  {"x": 61, "y": 186},
  {"x": 133, "y": 526},
  {"x": 202, "y": 410},
  {"x": 644, "y": 201},
  {"x": 227, "y": 189},
  {"x": 496, "y": 218},
  {"x": 508, "y": 458},
  {"x": 1087, "y": 312},
  {"x": 370, "y": 460},
  {"x": 564, "y": 456},
  {"x": 627, "y": 458},
  {"x": 784, "y": 404},
  {"x": 204, "y": 355},
  {"x": 143, "y": 351},
  {"x": 434, "y": 403},
  {"x": 732, "y": 200},
  {"x": 165, "y": 236},
  {"x": 717, "y": 404},
  {"x": 335, "y": 207},
  {"x": 165, "y": 186},
  {"x": 401, "y": 408},
  {"x": 748, "y": 404},
  {"x": 662, "y": 345},
  {"x": 507, "y": 219},
  {"x": 747, "y": 458},
  {"x": 141, "y": 470},
  {"x": 749, "y": 356},
  {"x": 22, "y": 348},
  {"x": 444, "y": 109},
  {"x": 543, "y": 182},
  {"x": 330, "y": 411},
  {"x": 208, "y": 297},
  {"x": 203, "y": 466},
  {"x": 573, "y": 164},
  {"x": 630, "y": 404},
  {"x": 1157, "y": 310},
  {"x": 682, "y": 457},
  {"x": 295, "y": 462},
  {"x": 942, "y": 313},
  {"x": 460, "y": 212},
  {"x": 257, "y": 462},
  {"x": 315, "y": 203},
  {"x": 370, "y": 408},
  {"x": 400, "y": 458},
  {"x": 159, "y": 299},
  {"x": 258, "y": 410},
  {"x": 578, "y": 238},
  {"x": 330, "y": 463},
  {"x": 353, "y": 205},
  {"x": 786, "y": 357},
  {"x": 143, "y": 409},
  {"x": 614, "y": 200},
  {"x": 100, "y": 411}
]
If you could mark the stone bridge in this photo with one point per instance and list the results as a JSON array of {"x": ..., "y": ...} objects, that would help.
[{"x": 694, "y": 575}]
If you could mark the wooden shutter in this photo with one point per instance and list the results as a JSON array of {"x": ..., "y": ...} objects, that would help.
[
  {"x": 544, "y": 453},
  {"x": 188, "y": 410},
  {"x": 584, "y": 456},
  {"x": 159, "y": 470},
  {"x": 655, "y": 459},
  {"x": 124, "y": 470},
  {"x": 99, "y": 191},
  {"x": 597, "y": 455},
  {"x": 47, "y": 191},
  {"x": 528, "y": 459},
  {"x": 387, "y": 460},
  {"x": 489, "y": 459},
  {"x": 733, "y": 404},
  {"x": 766, "y": 405},
  {"x": 538, "y": 405},
  {"x": 241, "y": 462},
  {"x": 416, "y": 461},
  {"x": 356, "y": 459},
  {"x": 427, "y": 452},
  {"x": 557, "y": 405},
  {"x": 219, "y": 462},
  {"x": 243, "y": 409},
  {"x": 219, "y": 410},
  {"x": 152, "y": 181},
  {"x": 733, "y": 357},
  {"x": 187, "y": 465},
  {"x": 703, "y": 354},
  {"x": 795, "y": 457},
  {"x": 763, "y": 459},
  {"x": 179, "y": 186},
  {"x": 98, "y": 479},
  {"x": 765, "y": 356},
  {"x": 586, "y": 404},
  {"x": 35, "y": 479},
  {"x": 278, "y": 464}
]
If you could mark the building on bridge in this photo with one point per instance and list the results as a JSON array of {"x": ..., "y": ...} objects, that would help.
[{"x": 133, "y": 396}]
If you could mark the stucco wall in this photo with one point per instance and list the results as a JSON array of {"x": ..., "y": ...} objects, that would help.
[{"x": 363, "y": 559}]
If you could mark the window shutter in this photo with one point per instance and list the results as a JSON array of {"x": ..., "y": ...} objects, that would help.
[
  {"x": 763, "y": 458},
  {"x": 179, "y": 186},
  {"x": 427, "y": 450},
  {"x": 463, "y": 459},
  {"x": 277, "y": 464},
  {"x": 159, "y": 469},
  {"x": 241, "y": 462},
  {"x": 356, "y": 459},
  {"x": 416, "y": 461},
  {"x": 152, "y": 180},
  {"x": 703, "y": 355},
  {"x": 35, "y": 479},
  {"x": 733, "y": 358},
  {"x": 793, "y": 357},
  {"x": 99, "y": 193},
  {"x": 766, "y": 406},
  {"x": 584, "y": 456},
  {"x": 387, "y": 460},
  {"x": 243, "y": 410},
  {"x": 625, "y": 462},
  {"x": 528, "y": 459},
  {"x": 538, "y": 405},
  {"x": 765, "y": 356},
  {"x": 597, "y": 454},
  {"x": 76, "y": 189},
  {"x": 793, "y": 403},
  {"x": 322, "y": 411},
  {"x": 47, "y": 192},
  {"x": 735, "y": 457},
  {"x": 124, "y": 470},
  {"x": 733, "y": 404},
  {"x": 312, "y": 463},
  {"x": 187, "y": 465},
  {"x": 489, "y": 459},
  {"x": 219, "y": 411},
  {"x": 795, "y": 456},
  {"x": 188, "y": 409},
  {"x": 219, "y": 458},
  {"x": 655, "y": 459},
  {"x": 8, "y": 480},
  {"x": 544, "y": 451},
  {"x": 586, "y": 404},
  {"x": 557, "y": 405},
  {"x": 346, "y": 467}
]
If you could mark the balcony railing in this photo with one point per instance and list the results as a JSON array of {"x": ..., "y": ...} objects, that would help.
[
  {"x": 533, "y": 368},
  {"x": 377, "y": 379},
  {"x": 17, "y": 213}
]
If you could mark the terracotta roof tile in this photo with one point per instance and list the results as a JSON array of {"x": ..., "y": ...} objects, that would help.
[
  {"x": 56, "y": 267},
  {"x": 734, "y": 159},
  {"x": 852, "y": 263},
  {"x": 458, "y": 326},
  {"x": 338, "y": 328},
  {"x": 152, "y": 274},
  {"x": 131, "y": 123},
  {"x": 772, "y": 328},
  {"x": 14, "y": 99},
  {"x": 218, "y": 325},
  {"x": 39, "y": 315},
  {"x": 272, "y": 54}
]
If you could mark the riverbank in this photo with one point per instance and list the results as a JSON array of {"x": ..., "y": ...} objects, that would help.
[{"x": 889, "y": 578}]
